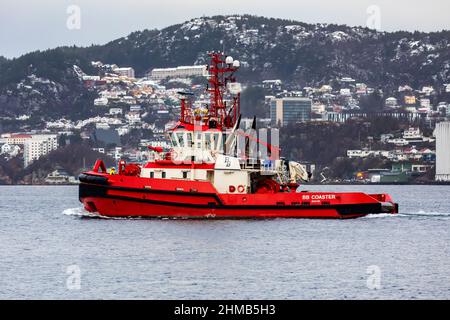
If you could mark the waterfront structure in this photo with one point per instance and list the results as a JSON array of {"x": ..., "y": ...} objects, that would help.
[
  {"x": 38, "y": 146},
  {"x": 178, "y": 72},
  {"x": 290, "y": 110},
  {"x": 442, "y": 133},
  {"x": 59, "y": 176}
]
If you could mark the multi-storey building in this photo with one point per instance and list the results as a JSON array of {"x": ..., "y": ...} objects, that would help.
[
  {"x": 38, "y": 146},
  {"x": 442, "y": 133},
  {"x": 290, "y": 110}
]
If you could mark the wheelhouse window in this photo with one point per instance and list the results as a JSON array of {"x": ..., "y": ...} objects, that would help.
[
  {"x": 216, "y": 140},
  {"x": 207, "y": 140},
  {"x": 173, "y": 139},
  {"x": 181, "y": 139},
  {"x": 198, "y": 140},
  {"x": 189, "y": 139}
]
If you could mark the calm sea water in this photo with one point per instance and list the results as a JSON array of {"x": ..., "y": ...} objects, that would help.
[{"x": 46, "y": 239}]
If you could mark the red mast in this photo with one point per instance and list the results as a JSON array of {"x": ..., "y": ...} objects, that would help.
[
  {"x": 221, "y": 72},
  {"x": 220, "y": 78}
]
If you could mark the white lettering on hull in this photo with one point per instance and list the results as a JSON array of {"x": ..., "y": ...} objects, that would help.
[{"x": 319, "y": 197}]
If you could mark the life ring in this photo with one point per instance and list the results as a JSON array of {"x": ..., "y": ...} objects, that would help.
[{"x": 241, "y": 189}]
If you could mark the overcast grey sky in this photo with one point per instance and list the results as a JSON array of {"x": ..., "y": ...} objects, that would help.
[{"x": 30, "y": 25}]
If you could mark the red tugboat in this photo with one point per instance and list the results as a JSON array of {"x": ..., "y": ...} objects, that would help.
[{"x": 209, "y": 174}]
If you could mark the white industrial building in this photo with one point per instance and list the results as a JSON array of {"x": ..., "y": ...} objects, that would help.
[
  {"x": 178, "y": 72},
  {"x": 442, "y": 133},
  {"x": 38, "y": 146},
  {"x": 126, "y": 72}
]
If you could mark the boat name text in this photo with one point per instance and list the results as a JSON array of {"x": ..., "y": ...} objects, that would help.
[{"x": 319, "y": 197}]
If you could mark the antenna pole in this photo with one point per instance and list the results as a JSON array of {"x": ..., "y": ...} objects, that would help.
[{"x": 220, "y": 74}]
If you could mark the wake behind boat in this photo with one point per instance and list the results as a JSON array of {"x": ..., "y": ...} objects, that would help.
[{"x": 215, "y": 170}]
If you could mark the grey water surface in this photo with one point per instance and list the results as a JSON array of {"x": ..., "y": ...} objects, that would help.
[{"x": 49, "y": 248}]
